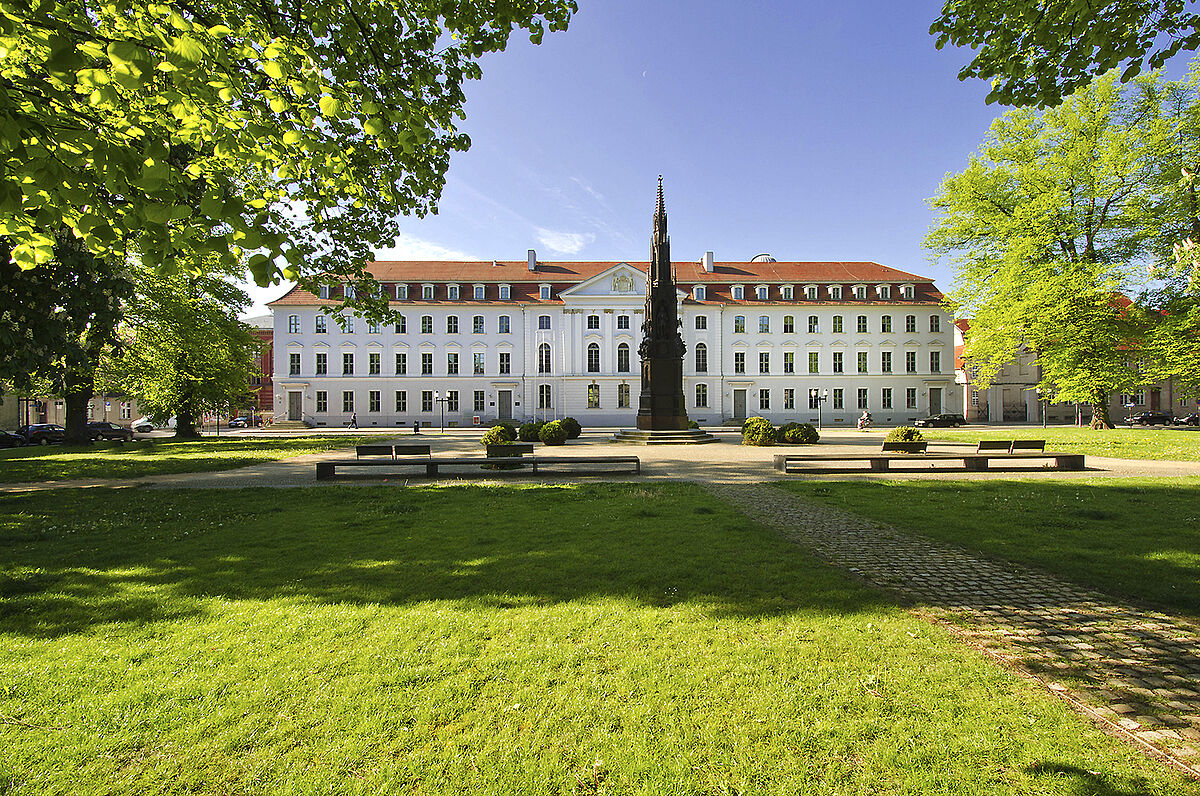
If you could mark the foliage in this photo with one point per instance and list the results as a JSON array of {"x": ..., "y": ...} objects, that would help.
[
  {"x": 758, "y": 431},
  {"x": 184, "y": 131},
  {"x": 553, "y": 433},
  {"x": 564, "y": 644},
  {"x": 187, "y": 353},
  {"x": 693, "y": 424},
  {"x": 529, "y": 431},
  {"x": 904, "y": 434},
  {"x": 798, "y": 434},
  {"x": 506, "y": 424},
  {"x": 498, "y": 435},
  {"x": 572, "y": 426},
  {"x": 1036, "y": 52}
]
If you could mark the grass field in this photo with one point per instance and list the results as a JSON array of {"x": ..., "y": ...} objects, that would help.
[
  {"x": 157, "y": 457},
  {"x": 1137, "y": 538},
  {"x": 1177, "y": 444},
  {"x": 539, "y": 640}
]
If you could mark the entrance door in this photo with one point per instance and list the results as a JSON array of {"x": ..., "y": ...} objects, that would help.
[
  {"x": 935, "y": 400},
  {"x": 294, "y": 404},
  {"x": 739, "y": 404},
  {"x": 1156, "y": 399},
  {"x": 504, "y": 404}
]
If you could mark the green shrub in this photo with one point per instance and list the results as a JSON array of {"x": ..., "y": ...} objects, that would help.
[
  {"x": 530, "y": 431},
  {"x": 693, "y": 424},
  {"x": 799, "y": 434},
  {"x": 554, "y": 433},
  {"x": 758, "y": 431},
  {"x": 572, "y": 426},
  {"x": 505, "y": 424},
  {"x": 904, "y": 434},
  {"x": 787, "y": 432},
  {"x": 498, "y": 435}
]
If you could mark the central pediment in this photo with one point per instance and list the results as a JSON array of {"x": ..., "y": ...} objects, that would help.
[{"x": 620, "y": 281}]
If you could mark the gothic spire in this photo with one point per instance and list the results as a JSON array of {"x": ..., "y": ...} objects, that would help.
[{"x": 660, "y": 215}]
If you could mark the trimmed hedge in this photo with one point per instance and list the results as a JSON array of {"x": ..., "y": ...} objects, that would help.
[
  {"x": 904, "y": 434},
  {"x": 554, "y": 433},
  {"x": 530, "y": 431},
  {"x": 572, "y": 426},
  {"x": 799, "y": 434},
  {"x": 758, "y": 431},
  {"x": 498, "y": 435}
]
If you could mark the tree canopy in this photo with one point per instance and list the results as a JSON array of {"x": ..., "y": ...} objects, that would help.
[
  {"x": 1036, "y": 52},
  {"x": 292, "y": 134}
]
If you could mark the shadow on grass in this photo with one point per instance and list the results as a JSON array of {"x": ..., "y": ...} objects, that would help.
[
  {"x": 79, "y": 559},
  {"x": 1091, "y": 783}
]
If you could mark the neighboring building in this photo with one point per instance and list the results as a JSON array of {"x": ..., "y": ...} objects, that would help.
[
  {"x": 117, "y": 409},
  {"x": 479, "y": 341},
  {"x": 262, "y": 385},
  {"x": 10, "y": 412}
]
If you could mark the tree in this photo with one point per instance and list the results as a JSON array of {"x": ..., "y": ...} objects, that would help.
[
  {"x": 187, "y": 352},
  {"x": 187, "y": 133},
  {"x": 1043, "y": 226},
  {"x": 1037, "y": 52},
  {"x": 56, "y": 322}
]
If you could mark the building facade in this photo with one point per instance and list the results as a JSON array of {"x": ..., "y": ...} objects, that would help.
[{"x": 479, "y": 341}]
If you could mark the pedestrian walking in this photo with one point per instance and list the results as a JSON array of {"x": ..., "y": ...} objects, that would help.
[
  {"x": 353, "y": 420},
  {"x": 416, "y": 426}
]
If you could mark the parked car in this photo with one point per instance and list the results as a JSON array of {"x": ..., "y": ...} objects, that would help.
[
  {"x": 42, "y": 433},
  {"x": 9, "y": 439},
  {"x": 945, "y": 420},
  {"x": 105, "y": 430},
  {"x": 239, "y": 422},
  {"x": 1188, "y": 420},
  {"x": 144, "y": 425},
  {"x": 1154, "y": 418}
]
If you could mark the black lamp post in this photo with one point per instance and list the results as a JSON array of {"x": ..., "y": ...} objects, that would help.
[
  {"x": 819, "y": 398},
  {"x": 441, "y": 402}
]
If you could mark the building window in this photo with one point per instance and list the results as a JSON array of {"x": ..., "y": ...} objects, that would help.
[
  {"x": 885, "y": 293},
  {"x": 814, "y": 325},
  {"x": 908, "y": 291},
  {"x": 347, "y": 364},
  {"x": 427, "y": 292},
  {"x": 764, "y": 399},
  {"x": 293, "y": 364},
  {"x": 544, "y": 292},
  {"x": 543, "y": 321},
  {"x": 862, "y": 361},
  {"x": 322, "y": 364},
  {"x": 451, "y": 364},
  {"x": 935, "y": 323},
  {"x": 910, "y": 361},
  {"x": 622, "y": 321},
  {"x": 451, "y": 324},
  {"x": 477, "y": 325},
  {"x": 293, "y": 324},
  {"x": 544, "y": 358},
  {"x": 126, "y": 410},
  {"x": 505, "y": 292},
  {"x": 885, "y": 398},
  {"x": 739, "y": 361},
  {"x": 761, "y": 293},
  {"x": 701, "y": 358},
  {"x": 860, "y": 292},
  {"x": 503, "y": 324},
  {"x": 348, "y": 290},
  {"x": 593, "y": 321},
  {"x": 785, "y": 292},
  {"x": 401, "y": 364},
  {"x": 479, "y": 293},
  {"x": 426, "y": 400},
  {"x": 623, "y": 358},
  {"x": 402, "y": 292},
  {"x": 701, "y": 396},
  {"x": 593, "y": 401},
  {"x": 372, "y": 327},
  {"x": 862, "y": 397},
  {"x": 323, "y": 291},
  {"x": 935, "y": 361},
  {"x": 452, "y": 292},
  {"x": 975, "y": 398},
  {"x": 814, "y": 362},
  {"x": 402, "y": 325},
  {"x": 835, "y": 292},
  {"x": 427, "y": 364},
  {"x": 593, "y": 358},
  {"x": 373, "y": 364},
  {"x": 479, "y": 402},
  {"x": 544, "y": 397},
  {"x": 347, "y": 401},
  {"x": 764, "y": 361},
  {"x": 862, "y": 324},
  {"x": 764, "y": 324},
  {"x": 810, "y": 292},
  {"x": 505, "y": 363},
  {"x": 698, "y": 293},
  {"x": 789, "y": 362},
  {"x": 839, "y": 398},
  {"x": 401, "y": 401},
  {"x": 452, "y": 400},
  {"x": 910, "y": 323},
  {"x": 373, "y": 401},
  {"x": 426, "y": 324},
  {"x": 838, "y": 366},
  {"x": 739, "y": 324},
  {"x": 738, "y": 292},
  {"x": 349, "y": 324},
  {"x": 622, "y": 396},
  {"x": 910, "y": 398},
  {"x": 837, "y": 324},
  {"x": 885, "y": 362},
  {"x": 322, "y": 401},
  {"x": 478, "y": 366},
  {"x": 885, "y": 324},
  {"x": 789, "y": 324},
  {"x": 320, "y": 324}
]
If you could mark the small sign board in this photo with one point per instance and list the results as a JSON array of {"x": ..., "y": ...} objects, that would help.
[{"x": 475, "y": 420}]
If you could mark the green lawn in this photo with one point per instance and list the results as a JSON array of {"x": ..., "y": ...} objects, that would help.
[
  {"x": 1176, "y": 443},
  {"x": 158, "y": 457},
  {"x": 1136, "y": 538},
  {"x": 541, "y": 640}
]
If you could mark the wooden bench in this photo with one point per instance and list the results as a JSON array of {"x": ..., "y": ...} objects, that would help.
[
  {"x": 434, "y": 465},
  {"x": 507, "y": 451},
  {"x": 994, "y": 445},
  {"x": 905, "y": 447},
  {"x": 1027, "y": 445},
  {"x": 881, "y": 462}
]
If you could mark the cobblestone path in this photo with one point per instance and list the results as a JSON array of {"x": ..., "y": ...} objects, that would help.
[{"x": 1136, "y": 669}]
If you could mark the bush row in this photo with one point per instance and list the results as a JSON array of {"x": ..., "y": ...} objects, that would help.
[
  {"x": 554, "y": 433},
  {"x": 759, "y": 431}
]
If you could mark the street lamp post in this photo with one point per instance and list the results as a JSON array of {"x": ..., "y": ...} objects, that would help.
[
  {"x": 819, "y": 398},
  {"x": 441, "y": 402}
]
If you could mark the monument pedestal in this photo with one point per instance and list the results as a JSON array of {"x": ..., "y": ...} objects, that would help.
[{"x": 687, "y": 436}]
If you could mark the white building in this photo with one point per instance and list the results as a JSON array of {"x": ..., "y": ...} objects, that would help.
[{"x": 477, "y": 341}]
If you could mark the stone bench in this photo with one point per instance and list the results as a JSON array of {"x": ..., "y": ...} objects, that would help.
[
  {"x": 880, "y": 462},
  {"x": 475, "y": 464}
]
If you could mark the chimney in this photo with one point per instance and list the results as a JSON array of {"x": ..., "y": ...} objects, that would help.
[
  {"x": 532, "y": 260},
  {"x": 707, "y": 262}
]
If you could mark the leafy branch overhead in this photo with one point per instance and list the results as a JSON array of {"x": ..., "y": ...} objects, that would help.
[{"x": 294, "y": 133}]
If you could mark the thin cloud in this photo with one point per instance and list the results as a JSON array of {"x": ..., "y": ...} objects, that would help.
[
  {"x": 410, "y": 247},
  {"x": 564, "y": 242}
]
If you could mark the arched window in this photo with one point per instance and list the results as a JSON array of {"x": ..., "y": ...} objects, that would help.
[
  {"x": 294, "y": 324},
  {"x": 623, "y": 358},
  {"x": 701, "y": 358},
  {"x": 544, "y": 358},
  {"x": 764, "y": 324},
  {"x": 593, "y": 358},
  {"x": 739, "y": 324}
]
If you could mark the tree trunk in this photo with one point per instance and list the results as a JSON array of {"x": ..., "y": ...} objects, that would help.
[
  {"x": 185, "y": 422},
  {"x": 76, "y": 397},
  {"x": 1100, "y": 417}
]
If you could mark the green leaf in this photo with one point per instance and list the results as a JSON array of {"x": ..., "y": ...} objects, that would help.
[
  {"x": 273, "y": 69},
  {"x": 330, "y": 107},
  {"x": 374, "y": 126}
]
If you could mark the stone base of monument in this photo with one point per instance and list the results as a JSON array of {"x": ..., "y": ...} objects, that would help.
[{"x": 688, "y": 436}]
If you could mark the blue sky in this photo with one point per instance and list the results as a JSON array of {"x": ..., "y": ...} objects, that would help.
[{"x": 813, "y": 131}]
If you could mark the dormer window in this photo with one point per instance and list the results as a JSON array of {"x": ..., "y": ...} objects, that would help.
[
  {"x": 544, "y": 292},
  {"x": 505, "y": 292},
  {"x": 883, "y": 291},
  {"x": 907, "y": 291},
  {"x": 860, "y": 292},
  {"x": 427, "y": 292},
  {"x": 480, "y": 291},
  {"x": 323, "y": 291},
  {"x": 348, "y": 290},
  {"x": 738, "y": 293},
  {"x": 785, "y": 292},
  {"x": 835, "y": 292},
  {"x": 698, "y": 292},
  {"x": 810, "y": 292},
  {"x": 760, "y": 292},
  {"x": 452, "y": 292},
  {"x": 402, "y": 292}
]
